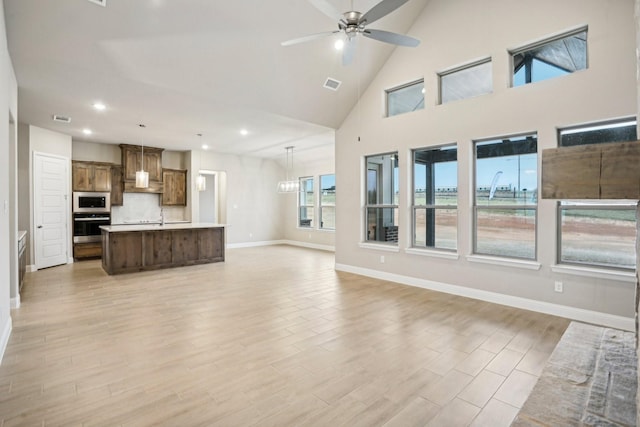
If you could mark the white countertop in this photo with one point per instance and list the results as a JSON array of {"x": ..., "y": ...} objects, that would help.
[{"x": 152, "y": 227}]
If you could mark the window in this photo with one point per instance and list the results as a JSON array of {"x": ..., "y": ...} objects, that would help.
[
  {"x": 466, "y": 82},
  {"x": 382, "y": 198},
  {"x": 506, "y": 197},
  {"x": 328, "y": 202},
  {"x": 551, "y": 58},
  {"x": 405, "y": 98},
  {"x": 617, "y": 131},
  {"x": 306, "y": 203},
  {"x": 435, "y": 198},
  {"x": 597, "y": 233}
]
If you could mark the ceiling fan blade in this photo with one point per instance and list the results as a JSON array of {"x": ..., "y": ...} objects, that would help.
[
  {"x": 308, "y": 38},
  {"x": 392, "y": 38},
  {"x": 327, "y": 8},
  {"x": 380, "y": 10},
  {"x": 348, "y": 51}
]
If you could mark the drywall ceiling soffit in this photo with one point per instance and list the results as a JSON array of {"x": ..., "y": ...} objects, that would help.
[{"x": 189, "y": 66}]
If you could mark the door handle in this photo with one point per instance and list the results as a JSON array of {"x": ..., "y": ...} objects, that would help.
[{"x": 39, "y": 226}]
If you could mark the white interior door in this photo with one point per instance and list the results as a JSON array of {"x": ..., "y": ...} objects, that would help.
[{"x": 51, "y": 210}]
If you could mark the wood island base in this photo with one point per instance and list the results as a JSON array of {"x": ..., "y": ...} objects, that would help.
[{"x": 126, "y": 249}]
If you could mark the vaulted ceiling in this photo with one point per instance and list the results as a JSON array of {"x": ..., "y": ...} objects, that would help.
[{"x": 184, "y": 67}]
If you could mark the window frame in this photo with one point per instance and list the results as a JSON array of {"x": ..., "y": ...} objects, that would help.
[
  {"x": 302, "y": 191},
  {"x": 458, "y": 69},
  {"x": 434, "y": 206},
  {"x": 388, "y": 92},
  {"x": 526, "y": 206},
  {"x": 368, "y": 205},
  {"x": 590, "y": 204},
  {"x": 321, "y": 206},
  {"x": 548, "y": 40}
]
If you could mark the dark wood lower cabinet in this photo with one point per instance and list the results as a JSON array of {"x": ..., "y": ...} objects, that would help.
[{"x": 131, "y": 251}]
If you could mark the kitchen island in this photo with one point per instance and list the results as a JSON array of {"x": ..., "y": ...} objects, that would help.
[{"x": 131, "y": 248}]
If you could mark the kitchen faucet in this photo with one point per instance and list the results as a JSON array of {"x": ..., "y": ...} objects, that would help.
[{"x": 161, "y": 216}]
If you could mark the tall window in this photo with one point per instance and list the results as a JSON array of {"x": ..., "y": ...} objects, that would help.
[
  {"x": 506, "y": 197},
  {"x": 306, "y": 203},
  {"x": 466, "y": 82},
  {"x": 382, "y": 198},
  {"x": 550, "y": 58},
  {"x": 405, "y": 99},
  {"x": 435, "y": 198},
  {"x": 597, "y": 233},
  {"x": 328, "y": 202}
]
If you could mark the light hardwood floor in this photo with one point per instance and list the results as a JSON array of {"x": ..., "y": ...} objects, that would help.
[{"x": 271, "y": 337}]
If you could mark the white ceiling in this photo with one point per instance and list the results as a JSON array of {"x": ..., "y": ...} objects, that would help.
[{"x": 184, "y": 67}]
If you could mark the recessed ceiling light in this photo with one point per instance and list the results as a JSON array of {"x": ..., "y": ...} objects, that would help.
[
  {"x": 87, "y": 131},
  {"x": 339, "y": 44},
  {"x": 205, "y": 147},
  {"x": 244, "y": 132},
  {"x": 99, "y": 106}
]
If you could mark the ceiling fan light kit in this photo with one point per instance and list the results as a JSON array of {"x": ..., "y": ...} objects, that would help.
[{"x": 352, "y": 23}]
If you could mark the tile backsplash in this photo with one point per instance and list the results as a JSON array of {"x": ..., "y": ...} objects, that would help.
[{"x": 144, "y": 207}]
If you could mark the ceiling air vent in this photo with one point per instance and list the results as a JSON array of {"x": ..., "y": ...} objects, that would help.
[
  {"x": 61, "y": 119},
  {"x": 332, "y": 84},
  {"x": 102, "y": 3}
]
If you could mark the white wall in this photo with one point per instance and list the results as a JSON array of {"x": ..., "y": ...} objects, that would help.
[
  {"x": 96, "y": 152},
  {"x": 454, "y": 33},
  {"x": 253, "y": 210},
  {"x": 8, "y": 196}
]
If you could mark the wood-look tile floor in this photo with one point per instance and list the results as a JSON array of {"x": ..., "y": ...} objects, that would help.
[{"x": 271, "y": 337}]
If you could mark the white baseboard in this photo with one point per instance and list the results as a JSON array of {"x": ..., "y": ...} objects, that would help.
[
  {"x": 310, "y": 245},
  {"x": 573, "y": 313},
  {"x": 255, "y": 244},
  {"x": 281, "y": 242},
  {"x": 15, "y": 302},
  {"x": 4, "y": 338},
  {"x": 31, "y": 268}
]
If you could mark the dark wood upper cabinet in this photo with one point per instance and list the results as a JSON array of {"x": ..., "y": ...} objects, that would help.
[
  {"x": 117, "y": 186},
  {"x": 175, "y": 187},
  {"x": 132, "y": 162},
  {"x": 91, "y": 176}
]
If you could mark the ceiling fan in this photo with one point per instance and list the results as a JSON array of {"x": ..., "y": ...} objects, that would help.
[{"x": 352, "y": 23}]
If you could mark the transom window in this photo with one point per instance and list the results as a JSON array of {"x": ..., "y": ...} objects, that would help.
[
  {"x": 466, "y": 82},
  {"x": 550, "y": 58},
  {"x": 381, "y": 209},
  {"x": 597, "y": 233},
  {"x": 435, "y": 198},
  {"x": 506, "y": 197},
  {"x": 406, "y": 98}
]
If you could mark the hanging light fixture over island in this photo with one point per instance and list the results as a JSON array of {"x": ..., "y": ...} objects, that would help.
[{"x": 142, "y": 177}]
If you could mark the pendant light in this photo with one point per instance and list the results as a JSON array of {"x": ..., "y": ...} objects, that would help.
[
  {"x": 142, "y": 177},
  {"x": 201, "y": 181},
  {"x": 289, "y": 185}
]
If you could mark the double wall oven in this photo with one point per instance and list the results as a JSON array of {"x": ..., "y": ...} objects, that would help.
[{"x": 90, "y": 211}]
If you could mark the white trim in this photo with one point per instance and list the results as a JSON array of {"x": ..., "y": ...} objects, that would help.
[
  {"x": 255, "y": 244},
  {"x": 281, "y": 242},
  {"x": 31, "y": 268},
  {"x": 309, "y": 245},
  {"x": 599, "y": 273},
  {"x": 589, "y": 316},
  {"x": 379, "y": 247},
  {"x": 432, "y": 253},
  {"x": 15, "y": 302},
  {"x": 4, "y": 338},
  {"x": 505, "y": 262}
]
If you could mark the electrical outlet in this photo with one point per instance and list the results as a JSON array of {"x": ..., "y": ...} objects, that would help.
[
  {"x": 382, "y": 259},
  {"x": 558, "y": 287}
]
